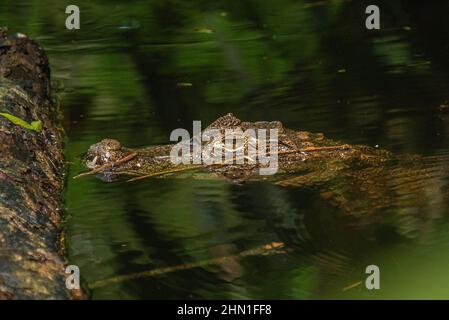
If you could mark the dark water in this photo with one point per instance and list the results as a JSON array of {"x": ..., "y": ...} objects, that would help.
[{"x": 136, "y": 70}]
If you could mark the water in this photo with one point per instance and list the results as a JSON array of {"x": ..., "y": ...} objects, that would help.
[{"x": 136, "y": 70}]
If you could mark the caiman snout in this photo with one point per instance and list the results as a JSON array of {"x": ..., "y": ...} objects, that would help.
[{"x": 105, "y": 151}]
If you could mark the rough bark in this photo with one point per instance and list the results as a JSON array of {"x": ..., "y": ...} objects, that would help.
[{"x": 31, "y": 176}]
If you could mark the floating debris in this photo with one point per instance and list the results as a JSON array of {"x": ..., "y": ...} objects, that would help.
[
  {"x": 205, "y": 30},
  {"x": 107, "y": 166},
  {"x": 184, "y": 84},
  {"x": 352, "y": 286},
  {"x": 264, "y": 250}
]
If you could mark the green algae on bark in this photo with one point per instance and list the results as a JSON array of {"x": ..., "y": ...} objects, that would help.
[{"x": 34, "y": 125}]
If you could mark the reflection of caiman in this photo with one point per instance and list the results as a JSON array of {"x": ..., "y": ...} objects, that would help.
[{"x": 355, "y": 178}]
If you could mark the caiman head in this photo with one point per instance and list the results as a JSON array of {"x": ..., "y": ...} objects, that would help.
[{"x": 103, "y": 152}]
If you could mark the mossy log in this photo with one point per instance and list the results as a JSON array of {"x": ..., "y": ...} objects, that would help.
[{"x": 31, "y": 176}]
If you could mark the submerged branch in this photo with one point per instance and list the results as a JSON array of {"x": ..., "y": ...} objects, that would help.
[
  {"x": 187, "y": 168},
  {"x": 160, "y": 173},
  {"x": 107, "y": 166},
  {"x": 270, "y": 248}
]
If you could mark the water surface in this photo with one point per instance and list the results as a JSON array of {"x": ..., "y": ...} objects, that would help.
[{"x": 136, "y": 70}]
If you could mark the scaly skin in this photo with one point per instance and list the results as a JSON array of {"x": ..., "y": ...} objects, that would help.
[
  {"x": 357, "y": 179},
  {"x": 299, "y": 152}
]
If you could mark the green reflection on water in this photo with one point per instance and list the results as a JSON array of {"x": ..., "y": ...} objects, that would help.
[{"x": 262, "y": 61}]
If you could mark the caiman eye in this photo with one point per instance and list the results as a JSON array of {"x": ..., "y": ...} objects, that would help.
[{"x": 91, "y": 161}]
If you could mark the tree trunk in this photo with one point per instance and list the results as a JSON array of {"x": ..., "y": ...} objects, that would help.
[{"x": 31, "y": 177}]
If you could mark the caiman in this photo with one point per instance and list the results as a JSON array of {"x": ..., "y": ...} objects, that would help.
[{"x": 355, "y": 178}]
